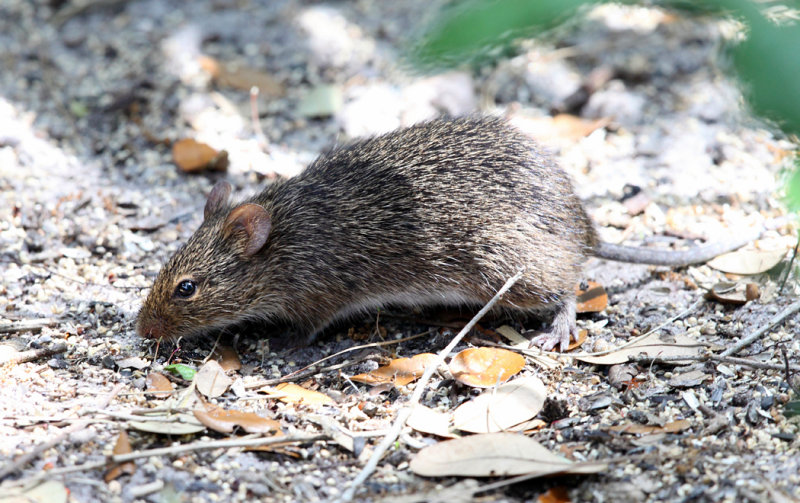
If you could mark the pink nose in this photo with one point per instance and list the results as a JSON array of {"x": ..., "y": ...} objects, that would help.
[{"x": 151, "y": 330}]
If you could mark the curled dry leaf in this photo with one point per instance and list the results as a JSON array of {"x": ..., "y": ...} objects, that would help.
[
  {"x": 223, "y": 421},
  {"x": 493, "y": 455},
  {"x": 400, "y": 371},
  {"x": 651, "y": 346},
  {"x": 485, "y": 367},
  {"x": 228, "y": 358},
  {"x": 123, "y": 446},
  {"x": 158, "y": 383},
  {"x": 192, "y": 156},
  {"x": 733, "y": 293},
  {"x": 211, "y": 380},
  {"x": 592, "y": 299},
  {"x": 746, "y": 262},
  {"x": 292, "y": 393},
  {"x": 499, "y": 410},
  {"x": 583, "y": 334},
  {"x": 426, "y": 420}
]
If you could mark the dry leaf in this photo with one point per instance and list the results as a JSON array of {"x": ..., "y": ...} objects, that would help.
[
  {"x": 747, "y": 262},
  {"x": 228, "y": 358},
  {"x": 223, "y": 421},
  {"x": 123, "y": 446},
  {"x": 514, "y": 338},
  {"x": 242, "y": 78},
  {"x": 426, "y": 420},
  {"x": 554, "y": 495},
  {"x": 644, "y": 429},
  {"x": 292, "y": 393},
  {"x": 158, "y": 383},
  {"x": 493, "y": 455},
  {"x": 498, "y": 410},
  {"x": 133, "y": 362},
  {"x": 651, "y": 346},
  {"x": 180, "y": 424},
  {"x": 485, "y": 367},
  {"x": 583, "y": 334},
  {"x": 400, "y": 371},
  {"x": 211, "y": 380},
  {"x": 733, "y": 293},
  {"x": 192, "y": 156},
  {"x": 591, "y": 300}
]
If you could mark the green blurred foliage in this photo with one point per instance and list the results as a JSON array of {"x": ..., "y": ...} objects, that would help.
[
  {"x": 767, "y": 61},
  {"x": 474, "y": 31}
]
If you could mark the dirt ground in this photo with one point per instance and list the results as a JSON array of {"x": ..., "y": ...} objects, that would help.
[{"x": 631, "y": 101}]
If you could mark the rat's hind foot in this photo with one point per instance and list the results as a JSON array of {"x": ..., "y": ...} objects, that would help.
[{"x": 562, "y": 330}]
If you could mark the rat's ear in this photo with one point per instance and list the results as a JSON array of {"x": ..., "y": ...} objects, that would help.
[
  {"x": 250, "y": 224},
  {"x": 217, "y": 198}
]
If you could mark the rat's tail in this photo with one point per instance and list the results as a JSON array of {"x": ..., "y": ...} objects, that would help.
[{"x": 674, "y": 258}]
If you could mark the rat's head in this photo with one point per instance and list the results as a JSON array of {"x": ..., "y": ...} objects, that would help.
[{"x": 207, "y": 283}]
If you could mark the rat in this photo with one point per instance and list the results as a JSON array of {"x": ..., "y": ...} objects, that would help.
[{"x": 440, "y": 213}]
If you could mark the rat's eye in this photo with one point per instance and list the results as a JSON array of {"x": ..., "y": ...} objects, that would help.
[{"x": 186, "y": 289}]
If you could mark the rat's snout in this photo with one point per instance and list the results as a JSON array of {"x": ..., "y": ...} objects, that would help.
[{"x": 150, "y": 328}]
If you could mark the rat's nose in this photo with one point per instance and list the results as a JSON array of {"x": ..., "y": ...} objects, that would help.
[{"x": 150, "y": 329}]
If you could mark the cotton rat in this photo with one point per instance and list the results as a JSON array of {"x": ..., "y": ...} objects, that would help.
[{"x": 442, "y": 213}]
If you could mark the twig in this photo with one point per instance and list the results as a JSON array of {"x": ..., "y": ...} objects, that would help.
[
  {"x": 34, "y": 354},
  {"x": 404, "y": 413},
  {"x": 312, "y": 370},
  {"x": 637, "y": 339},
  {"x": 259, "y": 133},
  {"x": 789, "y": 267},
  {"x": 216, "y": 444},
  {"x": 26, "y": 325},
  {"x": 776, "y": 320},
  {"x": 716, "y": 358},
  {"x": 23, "y": 460}
]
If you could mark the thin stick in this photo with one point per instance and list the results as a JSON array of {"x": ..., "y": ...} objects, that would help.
[
  {"x": 34, "y": 354},
  {"x": 635, "y": 340},
  {"x": 776, "y": 320},
  {"x": 716, "y": 358},
  {"x": 24, "y": 459},
  {"x": 199, "y": 446},
  {"x": 300, "y": 373},
  {"x": 404, "y": 413},
  {"x": 217, "y": 444},
  {"x": 26, "y": 325}
]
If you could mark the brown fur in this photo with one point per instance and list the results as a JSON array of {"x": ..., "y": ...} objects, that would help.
[{"x": 443, "y": 212}]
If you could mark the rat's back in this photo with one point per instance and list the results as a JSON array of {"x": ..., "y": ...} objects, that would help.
[{"x": 444, "y": 212}]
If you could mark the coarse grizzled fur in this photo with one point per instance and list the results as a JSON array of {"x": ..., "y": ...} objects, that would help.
[{"x": 443, "y": 212}]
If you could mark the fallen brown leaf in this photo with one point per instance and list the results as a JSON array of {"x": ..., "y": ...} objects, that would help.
[
  {"x": 224, "y": 420},
  {"x": 192, "y": 156},
  {"x": 591, "y": 300},
  {"x": 123, "y": 446},
  {"x": 485, "y": 367},
  {"x": 399, "y": 372},
  {"x": 292, "y": 393},
  {"x": 158, "y": 383}
]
